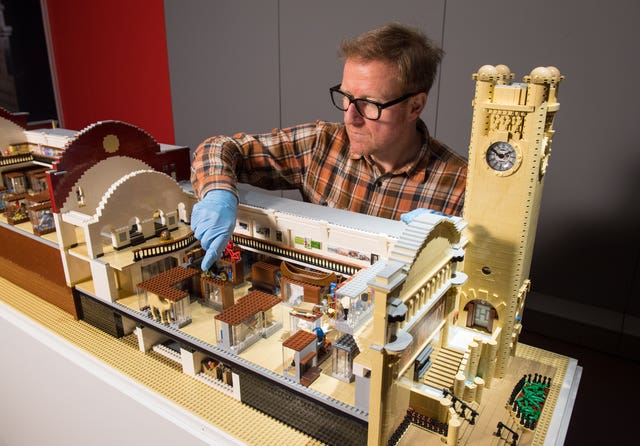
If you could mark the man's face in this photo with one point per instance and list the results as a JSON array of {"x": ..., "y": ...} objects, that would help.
[{"x": 378, "y": 81}]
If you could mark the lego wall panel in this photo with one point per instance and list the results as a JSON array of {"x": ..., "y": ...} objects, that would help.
[
  {"x": 36, "y": 266},
  {"x": 110, "y": 62}
]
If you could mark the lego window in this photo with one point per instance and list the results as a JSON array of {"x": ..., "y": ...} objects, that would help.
[
  {"x": 242, "y": 227},
  {"x": 263, "y": 231},
  {"x": 481, "y": 315}
]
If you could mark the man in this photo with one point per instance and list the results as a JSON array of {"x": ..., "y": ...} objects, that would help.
[{"x": 381, "y": 161}]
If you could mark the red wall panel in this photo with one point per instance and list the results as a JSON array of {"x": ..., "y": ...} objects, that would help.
[{"x": 110, "y": 60}]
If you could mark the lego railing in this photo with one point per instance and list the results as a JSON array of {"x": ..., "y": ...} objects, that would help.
[
  {"x": 15, "y": 159},
  {"x": 295, "y": 255},
  {"x": 463, "y": 409},
  {"x": 163, "y": 247}
]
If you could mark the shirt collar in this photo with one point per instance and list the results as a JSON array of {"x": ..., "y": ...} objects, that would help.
[{"x": 409, "y": 168}]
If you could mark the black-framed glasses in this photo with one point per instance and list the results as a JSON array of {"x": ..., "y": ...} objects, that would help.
[{"x": 367, "y": 108}]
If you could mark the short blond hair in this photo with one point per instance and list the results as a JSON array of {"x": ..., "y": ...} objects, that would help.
[{"x": 415, "y": 55}]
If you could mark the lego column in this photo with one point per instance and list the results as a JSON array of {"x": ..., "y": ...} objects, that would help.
[{"x": 388, "y": 345}]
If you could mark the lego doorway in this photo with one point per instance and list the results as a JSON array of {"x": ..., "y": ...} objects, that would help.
[{"x": 481, "y": 315}]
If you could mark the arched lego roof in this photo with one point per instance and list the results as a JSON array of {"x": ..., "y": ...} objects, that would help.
[
  {"x": 94, "y": 144},
  {"x": 157, "y": 191},
  {"x": 424, "y": 243}
]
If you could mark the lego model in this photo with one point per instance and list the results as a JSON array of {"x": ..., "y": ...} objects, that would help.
[
  {"x": 509, "y": 151},
  {"x": 350, "y": 328},
  {"x": 246, "y": 322},
  {"x": 165, "y": 297}
]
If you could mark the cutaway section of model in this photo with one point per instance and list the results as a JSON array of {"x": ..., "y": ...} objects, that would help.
[{"x": 348, "y": 327}]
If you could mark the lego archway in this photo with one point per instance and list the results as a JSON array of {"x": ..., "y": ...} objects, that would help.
[
  {"x": 435, "y": 252},
  {"x": 481, "y": 314},
  {"x": 117, "y": 208},
  {"x": 94, "y": 144},
  {"x": 89, "y": 189}
]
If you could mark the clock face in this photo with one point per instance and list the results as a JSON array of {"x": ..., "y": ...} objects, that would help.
[{"x": 501, "y": 156}]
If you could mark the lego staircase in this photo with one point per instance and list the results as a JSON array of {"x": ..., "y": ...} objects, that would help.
[{"x": 444, "y": 368}]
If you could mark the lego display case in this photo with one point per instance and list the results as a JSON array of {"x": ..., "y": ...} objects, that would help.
[
  {"x": 41, "y": 218},
  {"x": 216, "y": 293},
  {"x": 3, "y": 192},
  {"x": 38, "y": 180},
  {"x": 305, "y": 316},
  {"x": 167, "y": 296},
  {"x": 300, "y": 357},
  {"x": 345, "y": 349},
  {"x": 250, "y": 319},
  {"x": 15, "y": 208},
  {"x": 266, "y": 276},
  {"x": 16, "y": 182}
]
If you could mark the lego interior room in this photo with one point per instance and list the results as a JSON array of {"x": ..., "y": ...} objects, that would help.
[{"x": 317, "y": 325}]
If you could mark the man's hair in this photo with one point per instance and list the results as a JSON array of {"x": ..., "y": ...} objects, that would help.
[{"x": 415, "y": 55}]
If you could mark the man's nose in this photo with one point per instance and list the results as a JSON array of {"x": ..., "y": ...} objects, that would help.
[{"x": 352, "y": 116}]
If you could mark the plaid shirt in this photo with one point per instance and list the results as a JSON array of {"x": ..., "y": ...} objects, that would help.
[{"x": 315, "y": 159}]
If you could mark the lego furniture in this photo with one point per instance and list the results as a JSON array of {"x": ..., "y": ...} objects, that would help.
[
  {"x": 344, "y": 351},
  {"x": 299, "y": 357}
]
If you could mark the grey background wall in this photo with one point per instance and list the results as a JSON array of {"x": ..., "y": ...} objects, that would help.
[{"x": 256, "y": 65}]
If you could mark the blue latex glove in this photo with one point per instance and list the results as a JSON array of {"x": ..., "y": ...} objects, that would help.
[
  {"x": 212, "y": 220},
  {"x": 408, "y": 217}
]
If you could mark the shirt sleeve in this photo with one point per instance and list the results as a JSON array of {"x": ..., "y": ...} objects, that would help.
[{"x": 275, "y": 160}]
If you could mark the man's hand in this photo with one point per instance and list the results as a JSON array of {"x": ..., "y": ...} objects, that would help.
[{"x": 212, "y": 220}]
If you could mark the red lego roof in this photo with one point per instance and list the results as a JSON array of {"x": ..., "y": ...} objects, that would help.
[
  {"x": 252, "y": 303},
  {"x": 163, "y": 284}
]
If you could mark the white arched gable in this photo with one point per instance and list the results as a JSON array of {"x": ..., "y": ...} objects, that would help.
[
  {"x": 96, "y": 180},
  {"x": 139, "y": 194},
  {"x": 426, "y": 244}
]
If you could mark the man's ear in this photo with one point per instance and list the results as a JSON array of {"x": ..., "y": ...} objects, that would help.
[{"x": 417, "y": 104}]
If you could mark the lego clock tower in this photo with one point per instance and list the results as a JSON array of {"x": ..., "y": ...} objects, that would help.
[{"x": 508, "y": 154}]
